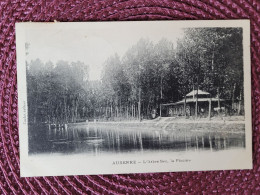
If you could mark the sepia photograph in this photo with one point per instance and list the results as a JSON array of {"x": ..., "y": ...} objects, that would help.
[{"x": 133, "y": 97}]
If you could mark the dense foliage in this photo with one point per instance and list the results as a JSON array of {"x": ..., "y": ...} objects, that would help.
[{"x": 134, "y": 84}]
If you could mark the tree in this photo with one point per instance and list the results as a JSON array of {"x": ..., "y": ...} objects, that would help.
[
  {"x": 55, "y": 91},
  {"x": 137, "y": 61}
]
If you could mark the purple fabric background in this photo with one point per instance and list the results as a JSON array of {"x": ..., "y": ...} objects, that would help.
[{"x": 11, "y": 11}]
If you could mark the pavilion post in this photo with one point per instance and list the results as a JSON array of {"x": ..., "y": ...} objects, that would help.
[{"x": 196, "y": 104}]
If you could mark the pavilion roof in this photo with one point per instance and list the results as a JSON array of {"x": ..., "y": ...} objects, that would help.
[{"x": 194, "y": 92}]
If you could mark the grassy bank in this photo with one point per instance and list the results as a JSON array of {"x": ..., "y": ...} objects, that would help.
[{"x": 235, "y": 124}]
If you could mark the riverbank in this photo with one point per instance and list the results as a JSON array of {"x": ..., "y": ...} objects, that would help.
[{"x": 235, "y": 123}]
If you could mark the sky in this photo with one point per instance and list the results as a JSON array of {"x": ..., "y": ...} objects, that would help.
[{"x": 92, "y": 42}]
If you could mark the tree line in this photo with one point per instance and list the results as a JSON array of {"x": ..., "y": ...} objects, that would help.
[{"x": 134, "y": 84}]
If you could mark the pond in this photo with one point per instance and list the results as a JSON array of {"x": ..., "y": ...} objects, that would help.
[{"x": 96, "y": 140}]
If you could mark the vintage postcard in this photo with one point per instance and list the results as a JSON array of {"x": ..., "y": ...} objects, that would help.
[{"x": 134, "y": 97}]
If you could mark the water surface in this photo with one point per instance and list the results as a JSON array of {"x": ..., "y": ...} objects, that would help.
[{"x": 96, "y": 140}]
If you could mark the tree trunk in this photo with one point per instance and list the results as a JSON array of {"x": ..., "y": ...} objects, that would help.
[
  {"x": 196, "y": 106},
  {"x": 209, "y": 107},
  {"x": 111, "y": 110},
  {"x": 161, "y": 86},
  {"x": 161, "y": 92},
  {"x": 233, "y": 96},
  {"x": 185, "y": 114},
  {"x": 239, "y": 103},
  {"x": 72, "y": 111},
  {"x": 106, "y": 110},
  {"x": 65, "y": 109},
  {"x": 218, "y": 101},
  {"x": 148, "y": 107},
  {"x": 193, "y": 89},
  {"x": 147, "y": 110},
  {"x": 76, "y": 108},
  {"x": 36, "y": 107},
  {"x": 117, "y": 111},
  {"x": 139, "y": 105},
  {"x": 132, "y": 110},
  {"x": 212, "y": 61},
  {"x": 127, "y": 111}
]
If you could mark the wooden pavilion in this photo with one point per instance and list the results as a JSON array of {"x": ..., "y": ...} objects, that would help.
[{"x": 206, "y": 105}]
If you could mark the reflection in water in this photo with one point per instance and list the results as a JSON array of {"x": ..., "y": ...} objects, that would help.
[{"x": 96, "y": 140}]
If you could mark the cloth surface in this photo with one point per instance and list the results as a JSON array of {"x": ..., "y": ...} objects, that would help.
[{"x": 11, "y": 11}]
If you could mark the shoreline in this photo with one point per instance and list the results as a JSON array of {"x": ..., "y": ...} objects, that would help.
[
  {"x": 178, "y": 120},
  {"x": 172, "y": 124},
  {"x": 175, "y": 122}
]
